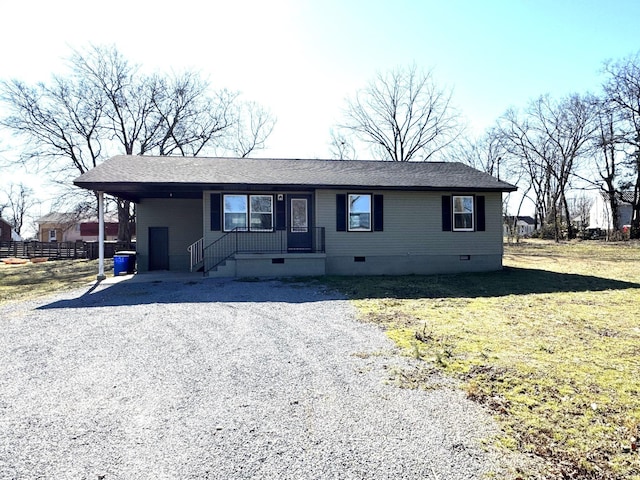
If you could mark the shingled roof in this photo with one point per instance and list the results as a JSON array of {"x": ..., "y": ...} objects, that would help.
[
  {"x": 626, "y": 196},
  {"x": 136, "y": 177}
]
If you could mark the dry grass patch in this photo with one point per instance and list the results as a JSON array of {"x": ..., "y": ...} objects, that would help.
[
  {"x": 31, "y": 280},
  {"x": 551, "y": 345}
]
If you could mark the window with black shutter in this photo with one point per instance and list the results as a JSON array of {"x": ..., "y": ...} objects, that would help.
[
  {"x": 215, "y": 212},
  {"x": 463, "y": 213}
]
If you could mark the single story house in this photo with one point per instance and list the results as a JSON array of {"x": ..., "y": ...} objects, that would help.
[
  {"x": 600, "y": 216},
  {"x": 70, "y": 227},
  {"x": 281, "y": 217},
  {"x": 521, "y": 225}
]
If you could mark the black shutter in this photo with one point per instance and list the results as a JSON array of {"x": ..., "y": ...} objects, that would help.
[
  {"x": 378, "y": 213},
  {"x": 446, "y": 213},
  {"x": 480, "y": 227},
  {"x": 215, "y": 211},
  {"x": 341, "y": 212},
  {"x": 281, "y": 213}
]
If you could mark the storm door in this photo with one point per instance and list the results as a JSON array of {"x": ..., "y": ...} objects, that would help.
[{"x": 299, "y": 231}]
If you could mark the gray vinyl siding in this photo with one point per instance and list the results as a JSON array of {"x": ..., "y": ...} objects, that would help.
[
  {"x": 211, "y": 236},
  {"x": 183, "y": 217},
  {"x": 412, "y": 240},
  {"x": 412, "y": 226}
]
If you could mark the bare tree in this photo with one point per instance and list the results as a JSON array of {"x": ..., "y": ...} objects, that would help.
[
  {"x": 60, "y": 123},
  {"x": 622, "y": 90},
  {"x": 489, "y": 154},
  {"x": 61, "y": 127},
  {"x": 107, "y": 106},
  {"x": 127, "y": 97},
  {"x": 19, "y": 201},
  {"x": 580, "y": 209},
  {"x": 550, "y": 138},
  {"x": 608, "y": 158},
  {"x": 341, "y": 146},
  {"x": 527, "y": 150},
  {"x": 569, "y": 125},
  {"x": 485, "y": 153},
  {"x": 403, "y": 115},
  {"x": 252, "y": 127},
  {"x": 147, "y": 114},
  {"x": 190, "y": 119}
]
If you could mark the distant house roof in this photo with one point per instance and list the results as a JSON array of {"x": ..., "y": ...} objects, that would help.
[
  {"x": 135, "y": 177},
  {"x": 524, "y": 218},
  {"x": 625, "y": 196},
  {"x": 57, "y": 217},
  {"x": 73, "y": 218}
]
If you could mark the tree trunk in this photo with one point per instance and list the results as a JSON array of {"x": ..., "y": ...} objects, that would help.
[
  {"x": 635, "y": 216},
  {"x": 635, "y": 219},
  {"x": 124, "y": 220},
  {"x": 613, "y": 208},
  {"x": 570, "y": 232}
]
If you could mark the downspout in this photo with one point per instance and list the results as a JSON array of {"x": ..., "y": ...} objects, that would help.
[{"x": 101, "y": 275}]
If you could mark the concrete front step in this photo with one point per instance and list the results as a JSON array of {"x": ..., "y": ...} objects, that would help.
[{"x": 224, "y": 270}]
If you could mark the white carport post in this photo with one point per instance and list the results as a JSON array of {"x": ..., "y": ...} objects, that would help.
[{"x": 101, "y": 275}]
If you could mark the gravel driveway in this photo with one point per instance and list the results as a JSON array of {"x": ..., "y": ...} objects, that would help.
[{"x": 219, "y": 379}]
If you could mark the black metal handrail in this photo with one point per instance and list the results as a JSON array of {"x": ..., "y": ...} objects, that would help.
[{"x": 241, "y": 241}]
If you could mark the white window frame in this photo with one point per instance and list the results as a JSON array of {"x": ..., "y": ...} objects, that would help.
[
  {"x": 351, "y": 212},
  {"x": 226, "y": 212},
  {"x": 249, "y": 212},
  {"x": 54, "y": 237},
  {"x": 459, "y": 212},
  {"x": 252, "y": 212}
]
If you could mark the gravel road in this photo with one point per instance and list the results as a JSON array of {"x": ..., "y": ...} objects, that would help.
[{"x": 219, "y": 379}]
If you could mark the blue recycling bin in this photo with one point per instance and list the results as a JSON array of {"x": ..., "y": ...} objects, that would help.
[
  {"x": 124, "y": 262},
  {"x": 120, "y": 264}
]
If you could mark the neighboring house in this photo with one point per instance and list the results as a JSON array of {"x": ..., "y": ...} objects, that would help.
[
  {"x": 89, "y": 229},
  {"x": 68, "y": 227},
  {"x": 263, "y": 217},
  {"x": 524, "y": 225},
  {"x": 7, "y": 233},
  {"x": 600, "y": 216}
]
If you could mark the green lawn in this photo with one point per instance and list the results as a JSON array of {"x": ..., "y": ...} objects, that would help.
[{"x": 551, "y": 345}]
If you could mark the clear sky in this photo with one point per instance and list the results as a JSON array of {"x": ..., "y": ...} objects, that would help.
[{"x": 302, "y": 58}]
